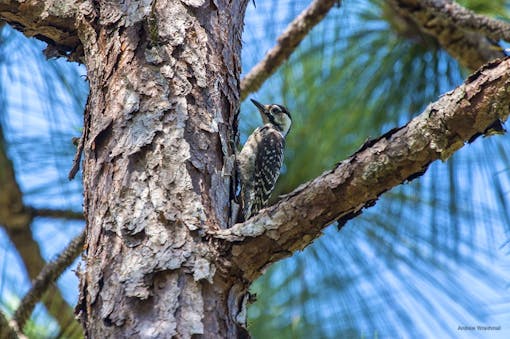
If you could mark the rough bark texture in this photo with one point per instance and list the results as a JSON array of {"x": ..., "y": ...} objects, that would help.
[
  {"x": 51, "y": 21},
  {"x": 400, "y": 155},
  {"x": 164, "y": 86},
  {"x": 471, "y": 48}
]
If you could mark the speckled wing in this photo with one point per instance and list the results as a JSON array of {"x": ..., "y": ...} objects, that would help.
[{"x": 268, "y": 162}]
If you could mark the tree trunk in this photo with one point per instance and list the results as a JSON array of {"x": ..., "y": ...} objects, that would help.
[{"x": 158, "y": 165}]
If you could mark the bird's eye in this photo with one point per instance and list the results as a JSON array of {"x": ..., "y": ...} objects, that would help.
[{"x": 275, "y": 110}]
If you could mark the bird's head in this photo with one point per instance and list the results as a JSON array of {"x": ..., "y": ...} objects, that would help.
[{"x": 274, "y": 114}]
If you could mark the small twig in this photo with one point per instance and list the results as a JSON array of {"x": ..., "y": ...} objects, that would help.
[
  {"x": 77, "y": 158},
  {"x": 286, "y": 44},
  {"x": 469, "y": 20},
  {"x": 81, "y": 143},
  {"x": 46, "y": 277},
  {"x": 57, "y": 214}
]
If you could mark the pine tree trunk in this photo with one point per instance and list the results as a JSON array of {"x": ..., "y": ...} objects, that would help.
[{"x": 158, "y": 165}]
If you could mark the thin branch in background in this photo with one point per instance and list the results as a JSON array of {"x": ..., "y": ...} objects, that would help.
[
  {"x": 6, "y": 331},
  {"x": 46, "y": 277},
  {"x": 469, "y": 20},
  {"x": 56, "y": 214},
  {"x": 286, "y": 44},
  {"x": 468, "y": 37},
  {"x": 16, "y": 218},
  {"x": 12, "y": 211}
]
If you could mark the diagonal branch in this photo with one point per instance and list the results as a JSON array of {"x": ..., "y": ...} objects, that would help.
[
  {"x": 6, "y": 331},
  {"x": 30, "y": 254},
  {"x": 51, "y": 21},
  {"x": 465, "y": 35},
  {"x": 16, "y": 219},
  {"x": 469, "y": 20},
  {"x": 48, "y": 275},
  {"x": 397, "y": 157},
  {"x": 287, "y": 42},
  {"x": 13, "y": 213}
]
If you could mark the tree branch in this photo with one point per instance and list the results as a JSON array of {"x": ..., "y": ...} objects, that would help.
[
  {"x": 56, "y": 214},
  {"x": 46, "y": 277},
  {"x": 465, "y": 35},
  {"x": 469, "y": 20},
  {"x": 398, "y": 156},
  {"x": 13, "y": 213},
  {"x": 6, "y": 331},
  {"x": 16, "y": 219},
  {"x": 51, "y": 21},
  {"x": 287, "y": 42}
]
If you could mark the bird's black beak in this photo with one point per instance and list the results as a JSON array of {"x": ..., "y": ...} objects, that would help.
[{"x": 259, "y": 105}]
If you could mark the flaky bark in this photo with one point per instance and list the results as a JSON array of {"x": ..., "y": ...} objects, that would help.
[
  {"x": 164, "y": 90},
  {"x": 52, "y": 21}
]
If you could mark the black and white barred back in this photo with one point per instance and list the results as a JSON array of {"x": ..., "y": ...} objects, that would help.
[{"x": 261, "y": 158}]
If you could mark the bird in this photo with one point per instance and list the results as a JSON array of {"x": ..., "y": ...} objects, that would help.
[{"x": 261, "y": 158}]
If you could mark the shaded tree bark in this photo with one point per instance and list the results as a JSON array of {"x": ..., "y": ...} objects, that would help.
[{"x": 164, "y": 90}]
